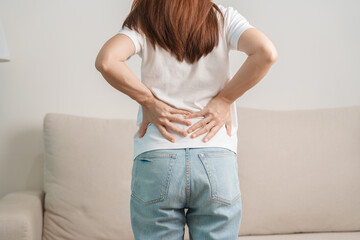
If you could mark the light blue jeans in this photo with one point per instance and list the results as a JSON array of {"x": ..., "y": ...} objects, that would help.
[{"x": 204, "y": 181}]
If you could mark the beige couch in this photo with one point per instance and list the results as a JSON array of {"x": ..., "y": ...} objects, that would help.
[{"x": 299, "y": 177}]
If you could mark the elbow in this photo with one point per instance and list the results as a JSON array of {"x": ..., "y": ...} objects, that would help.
[
  {"x": 102, "y": 62},
  {"x": 272, "y": 56},
  {"x": 101, "y": 65},
  {"x": 269, "y": 54}
]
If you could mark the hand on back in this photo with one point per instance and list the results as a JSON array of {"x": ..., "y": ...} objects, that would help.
[
  {"x": 216, "y": 114},
  {"x": 162, "y": 115}
]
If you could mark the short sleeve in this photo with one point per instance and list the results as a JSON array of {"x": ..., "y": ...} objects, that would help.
[
  {"x": 235, "y": 25},
  {"x": 136, "y": 37}
]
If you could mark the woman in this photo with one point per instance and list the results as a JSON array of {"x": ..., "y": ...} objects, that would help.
[{"x": 185, "y": 88}]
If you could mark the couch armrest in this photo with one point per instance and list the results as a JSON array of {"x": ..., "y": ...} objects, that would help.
[{"x": 21, "y": 215}]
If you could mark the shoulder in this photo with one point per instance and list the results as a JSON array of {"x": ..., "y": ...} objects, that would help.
[
  {"x": 226, "y": 10},
  {"x": 137, "y": 38},
  {"x": 136, "y": 33},
  {"x": 230, "y": 13}
]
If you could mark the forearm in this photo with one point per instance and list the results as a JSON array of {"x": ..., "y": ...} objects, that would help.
[
  {"x": 118, "y": 75},
  {"x": 249, "y": 74}
]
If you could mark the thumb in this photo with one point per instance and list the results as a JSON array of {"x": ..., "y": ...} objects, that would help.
[
  {"x": 228, "y": 127},
  {"x": 142, "y": 129}
]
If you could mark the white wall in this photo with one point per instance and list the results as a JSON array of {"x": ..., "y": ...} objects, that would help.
[{"x": 53, "y": 46}]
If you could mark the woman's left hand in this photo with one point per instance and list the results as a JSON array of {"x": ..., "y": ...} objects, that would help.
[{"x": 216, "y": 114}]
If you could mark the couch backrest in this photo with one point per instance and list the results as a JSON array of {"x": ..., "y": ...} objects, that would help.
[
  {"x": 87, "y": 177},
  {"x": 299, "y": 172}
]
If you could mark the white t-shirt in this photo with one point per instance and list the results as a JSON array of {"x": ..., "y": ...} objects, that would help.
[{"x": 188, "y": 86}]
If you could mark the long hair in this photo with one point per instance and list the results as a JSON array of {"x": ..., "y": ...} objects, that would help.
[{"x": 188, "y": 29}]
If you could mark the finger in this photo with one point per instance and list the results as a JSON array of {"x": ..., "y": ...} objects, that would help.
[
  {"x": 165, "y": 133},
  {"x": 141, "y": 133},
  {"x": 142, "y": 130},
  {"x": 204, "y": 129},
  {"x": 175, "y": 128},
  {"x": 198, "y": 124},
  {"x": 212, "y": 132},
  {"x": 180, "y": 111},
  {"x": 196, "y": 114},
  {"x": 180, "y": 120},
  {"x": 228, "y": 127}
]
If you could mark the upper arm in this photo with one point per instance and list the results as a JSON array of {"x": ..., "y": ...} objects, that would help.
[
  {"x": 253, "y": 40},
  {"x": 120, "y": 47},
  {"x": 243, "y": 36}
]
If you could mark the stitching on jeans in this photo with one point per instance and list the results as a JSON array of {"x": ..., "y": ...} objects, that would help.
[
  {"x": 209, "y": 173},
  {"x": 188, "y": 181},
  {"x": 156, "y": 155},
  {"x": 228, "y": 201},
  {"x": 167, "y": 182},
  {"x": 219, "y": 153},
  {"x": 203, "y": 156}
]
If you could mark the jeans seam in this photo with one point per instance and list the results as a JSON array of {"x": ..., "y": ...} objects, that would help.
[
  {"x": 188, "y": 181},
  {"x": 168, "y": 177},
  {"x": 158, "y": 155},
  {"x": 227, "y": 201},
  {"x": 209, "y": 174},
  {"x": 219, "y": 153}
]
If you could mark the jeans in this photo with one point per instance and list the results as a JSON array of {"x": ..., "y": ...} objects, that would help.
[{"x": 204, "y": 181}]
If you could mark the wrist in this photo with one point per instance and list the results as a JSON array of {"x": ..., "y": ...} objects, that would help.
[
  {"x": 147, "y": 100},
  {"x": 225, "y": 99}
]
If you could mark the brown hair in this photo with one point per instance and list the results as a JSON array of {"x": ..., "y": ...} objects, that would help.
[{"x": 187, "y": 29}]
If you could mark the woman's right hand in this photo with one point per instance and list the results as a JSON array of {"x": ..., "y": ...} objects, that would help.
[{"x": 161, "y": 115}]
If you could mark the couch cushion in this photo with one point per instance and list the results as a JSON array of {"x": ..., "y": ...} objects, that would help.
[
  {"x": 307, "y": 236},
  {"x": 299, "y": 170},
  {"x": 87, "y": 177}
]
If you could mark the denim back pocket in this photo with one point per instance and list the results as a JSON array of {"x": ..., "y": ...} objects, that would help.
[
  {"x": 151, "y": 175},
  {"x": 222, "y": 170}
]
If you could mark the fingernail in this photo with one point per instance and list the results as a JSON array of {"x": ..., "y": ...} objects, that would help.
[
  {"x": 194, "y": 135},
  {"x": 189, "y": 130},
  {"x": 185, "y": 134},
  {"x": 205, "y": 140}
]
